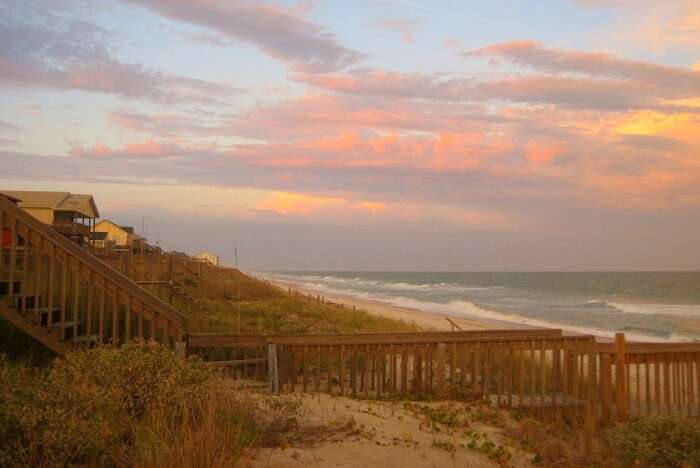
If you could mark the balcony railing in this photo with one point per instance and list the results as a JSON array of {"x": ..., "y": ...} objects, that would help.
[{"x": 71, "y": 228}]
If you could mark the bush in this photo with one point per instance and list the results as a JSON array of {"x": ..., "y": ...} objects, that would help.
[
  {"x": 84, "y": 407},
  {"x": 659, "y": 441},
  {"x": 143, "y": 375}
]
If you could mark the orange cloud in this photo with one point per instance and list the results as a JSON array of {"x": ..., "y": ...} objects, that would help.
[
  {"x": 297, "y": 204},
  {"x": 542, "y": 152},
  {"x": 344, "y": 142},
  {"x": 372, "y": 207},
  {"x": 683, "y": 127},
  {"x": 696, "y": 67}
]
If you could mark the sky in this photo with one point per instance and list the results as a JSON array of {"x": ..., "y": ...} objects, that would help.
[{"x": 367, "y": 135}]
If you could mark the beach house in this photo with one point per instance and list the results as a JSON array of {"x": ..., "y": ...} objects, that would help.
[
  {"x": 99, "y": 240},
  {"x": 73, "y": 215},
  {"x": 120, "y": 237},
  {"x": 207, "y": 258}
]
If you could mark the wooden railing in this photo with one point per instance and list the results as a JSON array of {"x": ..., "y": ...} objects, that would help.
[
  {"x": 244, "y": 356},
  {"x": 56, "y": 285},
  {"x": 163, "y": 275},
  {"x": 641, "y": 379},
  {"x": 540, "y": 371}
]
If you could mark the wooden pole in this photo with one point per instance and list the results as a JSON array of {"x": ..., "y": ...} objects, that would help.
[
  {"x": 605, "y": 385},
  {"x": 273, "y": 376},
  {"x": 591, "y": 406},
  {"x": 621, "y": 379}
]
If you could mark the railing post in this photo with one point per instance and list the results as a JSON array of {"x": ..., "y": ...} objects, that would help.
[
  {"x": 2, "y": 238},
  {"x": 621, "y": 376},
  {"x": 440, "y": 368},
  {"x": 591, "y": 406},
  {"x": 272, "y": 375},
  {"x": 181, "y": 348},
  {"x": 606, "y": 385}
]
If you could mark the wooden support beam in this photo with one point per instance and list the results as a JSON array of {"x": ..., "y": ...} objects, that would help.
[
  {"x": 621, "y": 376},
  {"x": 50, "y": 286},
  {"x": 272, "y": 372},
  {"x": 76, "y": 302},
  {"x": 13, "y": 256}
]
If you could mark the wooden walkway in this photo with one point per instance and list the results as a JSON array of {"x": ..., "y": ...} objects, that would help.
[{"x": 64, "y": 297}]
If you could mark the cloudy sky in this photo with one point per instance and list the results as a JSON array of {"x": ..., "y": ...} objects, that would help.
[{"x": 368, "y": 135}]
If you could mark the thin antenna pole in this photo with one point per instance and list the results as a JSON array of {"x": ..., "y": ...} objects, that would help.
[{"x": 238, "y": 287}]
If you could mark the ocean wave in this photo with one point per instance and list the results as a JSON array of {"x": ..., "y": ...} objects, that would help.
[
  {"x": 467, "y": 309},
  {"x": 384, "y": 285},
  {"x": 691, "y": 311},
  {"x": 473, "y": 310}
]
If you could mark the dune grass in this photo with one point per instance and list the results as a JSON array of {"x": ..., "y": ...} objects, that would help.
[
  {"x": 138, "y": 405},
  {"x": 287, "y": 315},
  {"x": 234, "y": 302}
]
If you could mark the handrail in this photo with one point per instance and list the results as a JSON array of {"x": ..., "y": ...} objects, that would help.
[
  {"x": 222, "y": 340},
  {"x": 93, "y": 263}
]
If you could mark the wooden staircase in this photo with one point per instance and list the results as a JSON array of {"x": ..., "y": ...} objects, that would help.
[{"x": 64, "y": 297}]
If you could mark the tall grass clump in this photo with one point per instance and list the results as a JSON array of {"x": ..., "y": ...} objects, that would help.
[
  {"x": 289, "y": 314},
  {"x": 137, "y": 405},
  {"x": 663, "y": 441}
]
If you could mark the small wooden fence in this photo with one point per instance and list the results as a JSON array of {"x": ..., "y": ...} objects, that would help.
[
  {"x": 536, "y": 371},
  {"x": 641, "y": 379}
]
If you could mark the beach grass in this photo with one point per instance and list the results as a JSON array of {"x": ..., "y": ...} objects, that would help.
[{"x": 288, "y": 315}]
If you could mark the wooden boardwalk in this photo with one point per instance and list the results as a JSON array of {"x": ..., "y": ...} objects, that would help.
[{"x": 63, "y": 296}]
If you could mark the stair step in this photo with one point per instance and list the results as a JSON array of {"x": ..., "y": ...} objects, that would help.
[
  {"x": 44, "y": 315},
  {"x": 66, "y": 324},
  {"x": 4, "y": 286},
  {"x": 84, "y": 339}
]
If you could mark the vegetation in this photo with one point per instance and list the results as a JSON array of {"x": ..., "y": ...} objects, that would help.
[
  {"x": 287, "y": 314},
  {"x": 20, "y": 347},
  {"x": 233, "y": 302},
  {"x": 659, "y": 442},
  {"x": 138, "y": 405}
]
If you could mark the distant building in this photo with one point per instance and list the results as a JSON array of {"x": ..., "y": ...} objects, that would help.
[
  {"x": 73, "y": 215},
  {"x": 99, "y": 240},
  {"x": 207, "y": 257},
  {"x": 178, "y": 254},
  {"x": 122, "y": 237}
]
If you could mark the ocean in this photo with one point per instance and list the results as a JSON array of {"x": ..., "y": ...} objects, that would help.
[{"x": 650, "y": 306}]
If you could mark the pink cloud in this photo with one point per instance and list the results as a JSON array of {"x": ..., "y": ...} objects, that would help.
[
  {"x": 540, "y": 152},
  {"x": 442, "y": 152},
  {"x": 146, "y": 149},
  {"x": 665, "y": 80}
]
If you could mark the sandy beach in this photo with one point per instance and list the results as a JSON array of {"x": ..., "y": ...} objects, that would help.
[{"x": 423, "y": 319}]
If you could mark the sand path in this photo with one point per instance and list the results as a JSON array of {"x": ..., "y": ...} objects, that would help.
[{"x": 386, "y": 435}]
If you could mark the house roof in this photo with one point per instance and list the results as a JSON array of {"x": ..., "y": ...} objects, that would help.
[
  {"x": 9, "y": 197},
  {"x": 57, "y": 201},
  {"x": 128, "y": 229}
]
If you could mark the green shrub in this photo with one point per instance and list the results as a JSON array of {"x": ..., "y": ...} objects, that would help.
[
  {"x": 659, "y": 441},
  {"x": 143, "y": 375},
  {"x": 83, "y": 408}
]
